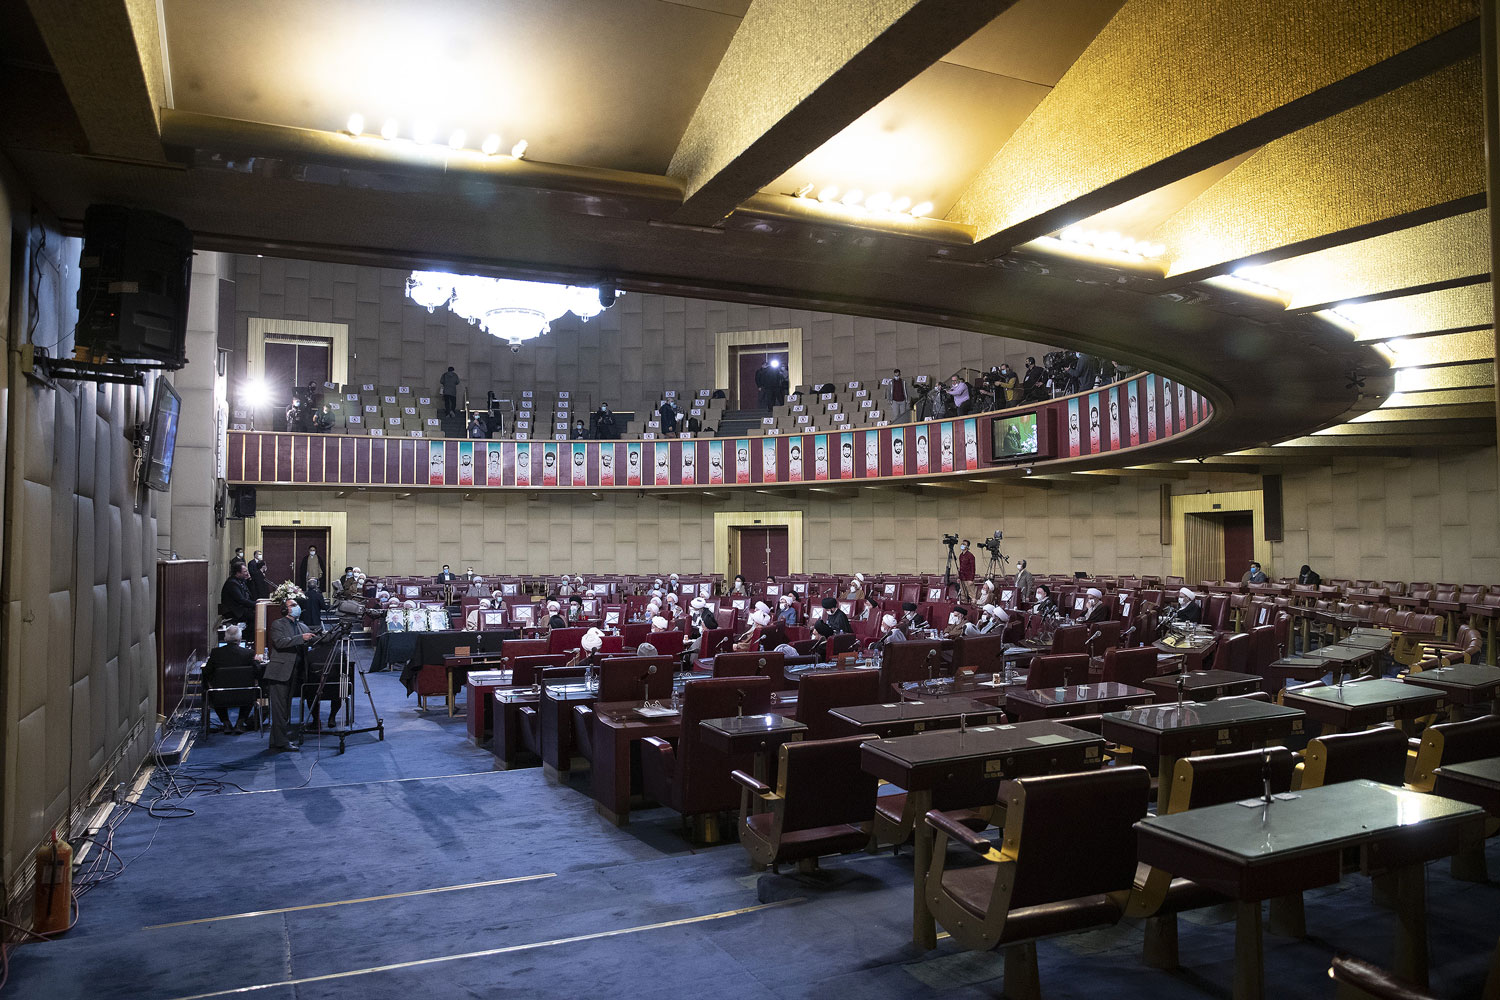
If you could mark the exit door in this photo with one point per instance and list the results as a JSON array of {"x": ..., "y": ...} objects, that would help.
[
  {"x": 762, "y": 552},
  {"x": 285, "y": 549}
]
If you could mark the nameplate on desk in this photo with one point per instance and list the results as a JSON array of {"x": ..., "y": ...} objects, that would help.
[{"x": 654, "y": 711}]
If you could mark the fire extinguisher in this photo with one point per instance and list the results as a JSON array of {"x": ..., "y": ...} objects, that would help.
[{"x": 54, "y": 887}]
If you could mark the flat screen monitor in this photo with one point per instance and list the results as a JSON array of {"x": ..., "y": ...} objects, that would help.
[
  {"x": 162, "y": 445},
  {"x": 1016, "y": 437}
]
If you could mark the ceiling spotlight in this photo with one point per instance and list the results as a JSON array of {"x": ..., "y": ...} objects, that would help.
[
  {"x": 1073, "y": 234},
  {"x": 924, "y": 209},
  {"x": 356, "y": 124},
  {"x": 388, "y": 130},
  {"x": 853, "y": 197},
  {"x": 519, "y": 150},
  {"x": 829, "y": 193},
  {"x": 878, "y": 202},
  {"x": 901, "y": 204},
  {"x": 456, "y": 140},
  {"x": 491, "y": 144},
  {"x": 803, "y": 191},
  {"x": 423, "y": 133}
]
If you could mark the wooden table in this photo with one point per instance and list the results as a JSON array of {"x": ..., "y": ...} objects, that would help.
[
  {"x": 1362, "y": 704},
  {"x": 902, "y": 718},
  {"x": 1028, "y": 705},
  {"x": 757, "y": 734},
  {"x": 1192, "y": 656},
  {"x": 1348, "y": 660},
  {"x": 1203, "y": 685},
  {"x": 506, "y": 716},
  {"x": 1462, "y": 683},
  {"x": 555, "y": 712},
  {"x": 1295, "y": 843},
  {"x": 478, "y": 703},
  {"x": 1169, "y": 732},
  {"x": 978, "y": 758},
  {"x": 617, "y": 727},
  {"x": 1476, "y": 782},
  {"x": 1305, "y": 668}
]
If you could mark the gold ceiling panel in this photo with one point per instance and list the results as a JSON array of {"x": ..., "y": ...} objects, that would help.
[
  {"x": 1447, "y": 250},
  {"x": 796, "y": 73},
  {"x": 1464, "y": 376},
  {"x": 1461, "y": 411},
  {"x": 1156, "y": 86},
  {"x": 1444, "y": 349},
  {"x": 1420, "y": 147},
  {"x": 1443, "y": 397},
  {"x": 1449, "y": 309}
]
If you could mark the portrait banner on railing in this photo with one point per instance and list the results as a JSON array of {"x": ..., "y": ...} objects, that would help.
[
  {"x": 820, "y": 456},
  {"x": 579, "y": 465},
  {"x": 768, "y": 471},
  {"x": 945, "y": 437},
  {"x": 633, "y": 463},
  {"x": 872, "y": 454},
  {"x": 716, "y": 463},
  {"x": 846, "y": 456},
  {"x": 466, "y": 463},
  {"x": 1075, "y": 445},
  {"x": 971, "y": 444}
]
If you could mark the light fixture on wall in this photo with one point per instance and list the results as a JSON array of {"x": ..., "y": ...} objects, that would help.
[
  {"x": 511, "y": 310},
  {"x": 879, "y": 203}
]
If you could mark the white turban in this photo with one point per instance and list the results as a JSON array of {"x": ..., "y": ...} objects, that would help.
[
  {"x": 671, "y": 598},
  {"x": 761, "y": 618},
  {"x": 659, "y": 624},
  {"x": 1094, "y": 592},
  {"x": 674, "y": 576},
  {"x": 762, "y": 606},
  {"x": 410, "y": 604},
  {"x": 860, "y": 577},
  {"x": 786, "y": 600},
  {"x": 479, "y": 579},
  {"x": 578, "y": 580},
  {"x": 484, "y": 602},
  {"x": 656, "y": 582},
  {"x": 553, "y": 606},
  {"x": 1185, "y": 592},
  {"x": 383, "y": 595},
  {"x": 889, "y": 621},
  {"x": 592, "y": 640},
  {"x": 698, "y": 603},
  {"x": 995, "y": 611}
]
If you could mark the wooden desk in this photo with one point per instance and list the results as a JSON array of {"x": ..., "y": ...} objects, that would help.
[
  {"x": 1259, "y": 853},
  {"x": 1461, "y": 683},
  {"x": 616, "y": 729},
  {"x": 1029, "y": 705},
  {"x": 757, "y": 734},
  {"x": 1362, "y": 704},
  {"x": 1476, "y": 782},
  {"x": 979, "y": 759},
  {"x": 1192, "y": 656},
  {"x": 555, "y": 714},
  {"x": 1203, "y": 685},
  {"x": 1281, "y": 672},
  {"x": 1343, "y": 658},
  {"x": 479, "y": 703},
  {"x": 1168, "y": 732},
  {"x": 903, "y": 718},
  {"x": 506, "y": 716}
]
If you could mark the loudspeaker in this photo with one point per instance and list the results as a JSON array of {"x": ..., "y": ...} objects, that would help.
[
  {"x": 134, "y": 277},
  {"x": 1270, "y": 495},
  {"x": 242, "y": 502}
]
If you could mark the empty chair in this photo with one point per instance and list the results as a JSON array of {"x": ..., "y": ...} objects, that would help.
[
  {"x": 982, "y": 652},
  {"x": 714, "y": 640},
  {"x": 1102, "y": 636},
  {"x": 1233, "y": 653},
  {"x": 1377, "y": 754},
  {"x": 1071, "y": 638},
  {"x": 511, "y": 649},
  {"x": 907, "y": 662},
  {"x": 564, "y": 640},
  {"x": 820, "y": 693},
  {"x": 526, "y": 670},
  {"x": 667, "y": 643},
  {"x": 631, "y": 678},
  {"x": 823, "y": 804},
  {"x": 752, "y": 664},
  {"x": 1130, "y": 666},
  {"x": 1198, "y": 782},
  {"x": 691, "y": 778},
  {"x": 1467, "y": 647},
  {"x": 1059, "y": 671},
  {"x": 1452, "y": 743},
  {"x": 1065, "y": 864}
]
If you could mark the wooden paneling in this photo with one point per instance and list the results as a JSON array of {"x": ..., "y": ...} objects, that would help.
[{"x": 182, "y": 616}]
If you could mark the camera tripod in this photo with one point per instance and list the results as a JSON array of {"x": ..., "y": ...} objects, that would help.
[
  {"x": 339, "y": 659},
  {"x": 948, "y": 583},
  {"x": 999, "y": 563}
]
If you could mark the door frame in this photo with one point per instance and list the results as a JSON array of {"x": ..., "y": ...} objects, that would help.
[
  {"x": 725, "y": 520},
  {"x": 1237, "y": 501},
  {"x": 336, "y": 521},
  {"x": 725, "y": 339},
  {"x": 261, "y": 328}
]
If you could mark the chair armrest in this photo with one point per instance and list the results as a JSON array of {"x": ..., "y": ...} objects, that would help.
[
  {"x": 1373, "y": 981},
  {"x": 584, "y": 712},
  {"x": 658, "y": 744},
  {"x": 943, "y": 823},
  {"x": 758, "y": 787}
]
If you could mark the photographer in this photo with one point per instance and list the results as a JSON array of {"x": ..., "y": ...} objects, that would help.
[{"x": 1033, "y": 383}]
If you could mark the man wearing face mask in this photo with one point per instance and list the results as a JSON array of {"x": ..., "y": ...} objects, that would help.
[
  {"x": 1093, "y": 606},
  {"x": 1187, "y": 609},
  {"x": 605, "y": 428},
  {"x": 309, "y": 568},
  {"x": 1025, "y": 584},
  {"x": 1045, "y": 605},
  {"x": 287, "y": 639},
  {"x": 965, "y": 571},
  {"x": 259, "y": 585}
]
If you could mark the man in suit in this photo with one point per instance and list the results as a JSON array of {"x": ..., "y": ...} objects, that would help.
[
  {"x": 1025, "y": 583},
  {"x": 668, "y": 414},
  {"x": 288, "y": 639},
  {"x": 259, "y": 585},
  {"x": 235, "y": 600},
  {"x": 233, "y": 653}
]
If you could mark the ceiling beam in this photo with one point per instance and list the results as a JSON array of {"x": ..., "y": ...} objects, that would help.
[
  {"x": 1094, "y": 143},
  {"x": 108, "y": 54},
  {"x": 796, "y": 73}
]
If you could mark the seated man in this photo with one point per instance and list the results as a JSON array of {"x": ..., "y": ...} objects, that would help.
[
  {"x": 1187, "y": 610},
  {"x": 788, "y": 610},
  {"x": 958, "y": 624},
  {"x": 1093, "y": 606},
  {"x": 554, "y": 616},
  {"x": 834, "y": 620},
  {"x": 750, "y": 641},
  {"x": 233, "y": 653},
  {"x": 1255, "y": 575},
  {"x": 889, "y": 632},
  {"x": 473, "y": 618},
  {"x": 911, "y": 621},
  {"x": 992, "y": 622}
]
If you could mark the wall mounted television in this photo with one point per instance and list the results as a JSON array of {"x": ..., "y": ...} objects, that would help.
[
  {"x": 161, "y": 446},
  {"x": 1016, "y": 437}
]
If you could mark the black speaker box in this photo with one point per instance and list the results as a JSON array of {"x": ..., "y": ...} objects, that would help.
[
  {"x": 242, "y": 501},
  {"x": 134, "y": 277}
]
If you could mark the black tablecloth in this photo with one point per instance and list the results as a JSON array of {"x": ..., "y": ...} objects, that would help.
[{"x": 431, "y": 647}]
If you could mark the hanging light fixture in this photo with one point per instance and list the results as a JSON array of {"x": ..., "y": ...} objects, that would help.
[{"x": 511, "y": 310}]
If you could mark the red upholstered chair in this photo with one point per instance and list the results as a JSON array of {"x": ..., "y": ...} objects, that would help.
[
  {"x": 528, "y": 669},
  {"x": 715, "y": 641},
  {"x": 691, "y": 778},
  {"x": 751, "y": 664},
  {"x": 1377, "y": 754},
  {"x": 432, "y": 681},
  {"x": 1108, "y": 636},
  {"x": 905, "y": 662},
  {"x": 623, "y": 678},
  {"x": 1263, "y": 652},
  {"x": 1071, "y": 638},
  {"x": 531, "y": 720},
  {"x": 632, "y": 634},
  {"x": 1130, "y": 666},
  {"x": 564, "y": 640},
  {"x": 985, "y": 653},
  {"x": 823, "y": 804},
  {"x": 1233, "y": 653},
  {"x": 1452, "y": 743},
  {"x": 512, "y": 649},
  {"x": 666, "y": 643},
  {"x": 1468, "y": 647},
  {"x": 1198, "y": 782},
  {"x": 1058, "y": 670},
  {"x": 612, "y": 645},
  {"x": 1067, "y": 864},
  {"x": 820, "y": 693}
]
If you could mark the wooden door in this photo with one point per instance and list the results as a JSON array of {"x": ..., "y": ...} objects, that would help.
[
  {"x": 1239, "y": 543},
  {"x": 747, "y": 363},
  {"x": 285, "y": 547},
  {"x": 762, "y": 552}
]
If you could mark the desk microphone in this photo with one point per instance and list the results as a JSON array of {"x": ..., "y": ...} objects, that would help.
[
  {"x": 646, "y": 684},
  {"x": 1090, "y": 643},
  {"x": 1265, "y": 774},
  {"x": 739, "y": 703}
]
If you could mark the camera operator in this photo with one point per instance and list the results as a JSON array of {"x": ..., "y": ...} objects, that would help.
[{"x": 1033, "y": 383}]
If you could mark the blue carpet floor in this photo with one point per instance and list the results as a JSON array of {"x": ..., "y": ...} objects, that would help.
[{"x": 549, "y": 900}]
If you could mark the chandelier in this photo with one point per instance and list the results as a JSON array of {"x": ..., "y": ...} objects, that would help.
[{"x": 514, "y": 311}]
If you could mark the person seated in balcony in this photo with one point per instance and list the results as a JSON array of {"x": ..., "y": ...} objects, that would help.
[
  {"x": 958, "y": 389},
  {"x": 692, "y": 425},
  {"x": 580, "y": 432},
  {"x": 322, "y": 420},
  {"x": 1093, "y": 606}
]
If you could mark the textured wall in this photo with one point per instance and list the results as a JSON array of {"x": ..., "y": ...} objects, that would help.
[
  {"x": 79, "y": 653},
  {"x": 627, "y": 355},
  {"x": 1367, "y": 518}
]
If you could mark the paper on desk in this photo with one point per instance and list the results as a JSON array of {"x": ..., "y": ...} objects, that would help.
[{"x": 1047, "y": 739}]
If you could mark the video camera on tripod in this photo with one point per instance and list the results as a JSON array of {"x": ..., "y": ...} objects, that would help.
[{"x": 998, "y": 559}]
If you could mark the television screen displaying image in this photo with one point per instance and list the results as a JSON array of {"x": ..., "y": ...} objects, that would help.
[
  {"x": 1015, "y": 437},
  {"x": 160, "y": 449}
]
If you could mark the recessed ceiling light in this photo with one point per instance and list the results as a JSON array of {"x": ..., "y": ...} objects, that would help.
[
  {"x": 901, "y": 204},
  {"x": 356, "y": 123},
  {"x": 829, "y": 193},
  {"x": 853, "y": 197},
  {"x": 388, "y": 130},
  {"x": 925, "y": 208},
  {"x": 519, "y": 149},
  {"x": 456, "y": 140},
  {"x": 491, "y": 144}
]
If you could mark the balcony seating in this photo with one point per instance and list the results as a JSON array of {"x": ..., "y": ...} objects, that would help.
[
  {"x": 690, "y": 778},
  {"x": 823, "y": 804},
  {"x": 1065, "y": 864}
]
